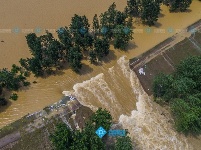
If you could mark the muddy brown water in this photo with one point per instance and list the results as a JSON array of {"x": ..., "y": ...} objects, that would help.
[{"x": 113, "y": 85}]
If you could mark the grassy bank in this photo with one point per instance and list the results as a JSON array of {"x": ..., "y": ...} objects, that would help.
[{"x": 165, "y": 59}]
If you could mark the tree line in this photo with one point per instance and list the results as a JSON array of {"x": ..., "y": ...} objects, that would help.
[
  {"x": 148, "y": 10},
  {"x": 182, "y": 91},
  {"x": 86, "y": 139},
  {"x": 77, "y": 41}
]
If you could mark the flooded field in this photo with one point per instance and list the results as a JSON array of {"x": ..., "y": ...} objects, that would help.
[{"x": 111, "y": 85}]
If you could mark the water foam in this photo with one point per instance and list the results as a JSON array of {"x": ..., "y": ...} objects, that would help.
[{"x": 148, "y": 128}]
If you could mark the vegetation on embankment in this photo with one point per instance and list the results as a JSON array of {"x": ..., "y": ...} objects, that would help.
[
  {"x": 182, "y": 91},
  {"x": 64, "y": 138}
]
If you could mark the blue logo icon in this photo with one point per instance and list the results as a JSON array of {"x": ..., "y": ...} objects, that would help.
[
  {"x": 192, "y": 31},
  {"x": 117, "y": 133},
  {"x": 126, "y": 30},
  {"x": 16, "y": 30},
  {"x": 38, "y": 30},
  {"x": 104, "y": 30},
  {"x": 148, "y": 30},
  {"x": 61, "y": 30},
  {"x": 170, "y": 30},
  {"x": 101, "y": 132},
  {"x": 83, "y": 30}
]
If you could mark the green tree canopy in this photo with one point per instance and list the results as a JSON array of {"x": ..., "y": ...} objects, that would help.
[
  {"x": 180, "y": 5},
  {"x": 182, "y": 90},
  {"x": 123, "y": 143},
  {"x": 122, "y": 35},
  {"x": 133, "y": 7},
  {"x": 102, "y": 118},
  {"x": 74, "y": 58},
  {"x": 62, "y": 137},
  {"x": 149, "y": 11}
]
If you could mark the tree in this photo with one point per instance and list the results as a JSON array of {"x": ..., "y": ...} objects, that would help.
[
  {"x": 96, "y": 25},
  {"x": 110, "y": 19},
  {"x": 101, "y": 48},
  {"x": 187, "y": 118},
  {"x": 79, "y": 24},
  {"x": 74, "y": 58},
  {"x": 123, "y": 143},
  {"x": 182, "y": 90},
  {"x": 122, "y": 35},
  {"x": 14, "y": 96},
  {"x": 102, "y": 118},
  {"x": 129, "y": 22},
  {"x": 133, "y": 7},
  {"x": 34, "y": 65},
  {"x": 149, "y": 11},
  {"x": 65, "y": 37},
  {"x": 86, "y": 138},
  {"x": 34, "y": 44},
  {"x": 79, "y": 141},
  {"x": 9, "y": 80},
  {"x": 161, "y": 83},
  {"x": 79, "y": 27},
  {"x": 92, "y": 56},
  {"x": 62, "y": 137},
  {"x": 181, "y": 5}
]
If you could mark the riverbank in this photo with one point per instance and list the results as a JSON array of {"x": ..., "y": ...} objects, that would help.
[{"x": 67, "y": 110}]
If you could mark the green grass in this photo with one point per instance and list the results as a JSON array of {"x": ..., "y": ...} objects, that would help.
[
  {"x": 39, "y": 139},
  {"x": 15, "y": 126}
]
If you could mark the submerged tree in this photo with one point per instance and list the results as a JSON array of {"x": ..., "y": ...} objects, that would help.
[
  {"x": 79, "y": 27},
  {"x": 133, "y": 7},
  {"x": 181, "y": 5},
  {"x": 96, "y": 25},
  {"x": 149, "y": 11},
  {"x": 122, "y": 36},
  {"x": 110, "y": 19},
  {"x": 65, "y": 37},
  {"x": 101, "y": 48},
  {"x": 74, "y": 58}
]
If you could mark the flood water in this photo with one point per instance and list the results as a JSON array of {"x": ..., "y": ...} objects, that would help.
[{"x": 112, "y": 85}]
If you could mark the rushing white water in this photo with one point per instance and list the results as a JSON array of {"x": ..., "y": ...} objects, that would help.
[
  {"x": 111, "y": 90},
  {"x": 150, "y": 129},
  {"x": 120, "y": 88}
]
